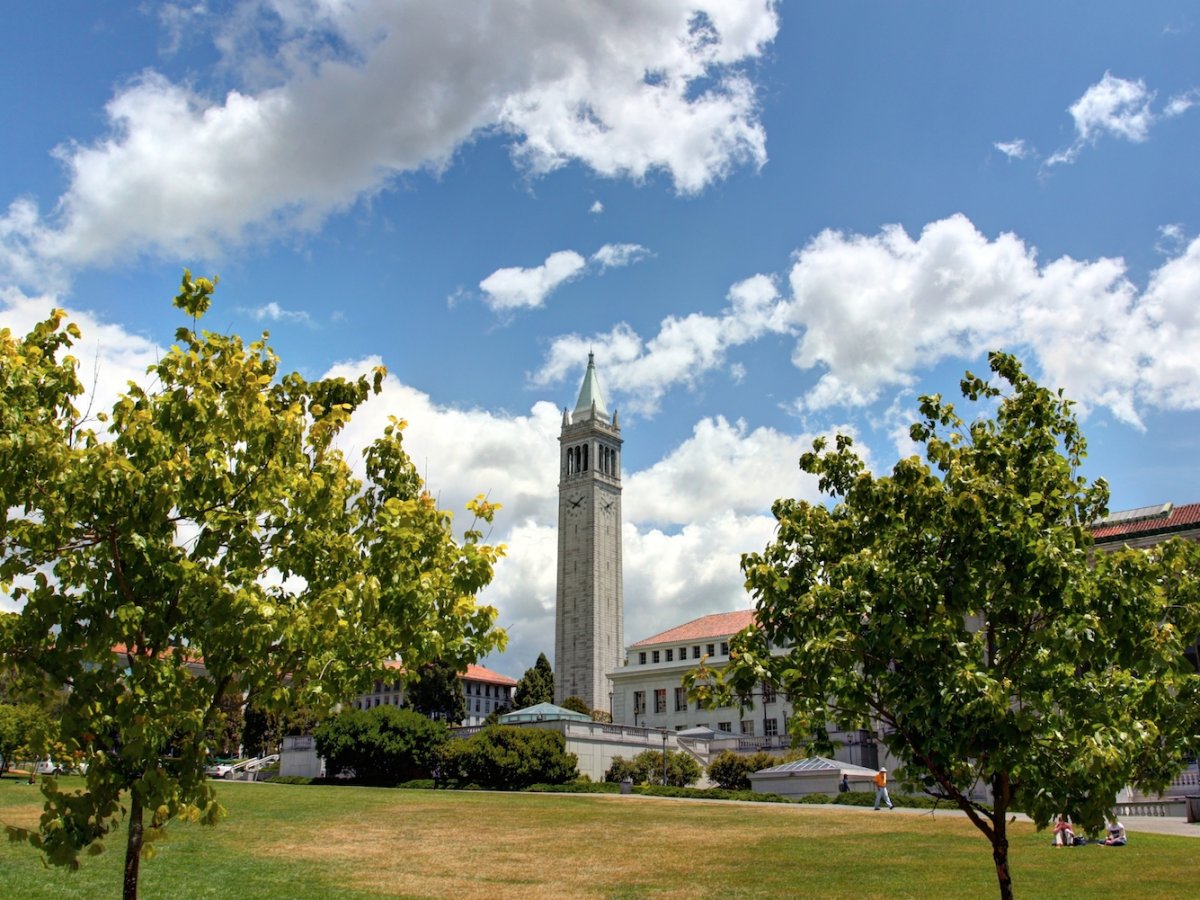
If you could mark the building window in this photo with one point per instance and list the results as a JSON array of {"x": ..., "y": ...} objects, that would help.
[
  {"x": 670, "y": 656},
  {"x": 654, "y": 656},
  {"x": 682, "y": 653},
  {"x": 680, "y": 699},
  {"x": 771, "y": 727},
  {"x": 711, "y": 650},
  {"x": 642, "y": 658},
  {"x": 639, "y": 702},
  {"x": 724, "y": 648},
  {"x": 727, "y": 727},
  {"x": 660, "y": 700},
  {"x": 748, "y": 726},
  {"x": 696, "y": 652},
  {"x": 768, "y": 693}
]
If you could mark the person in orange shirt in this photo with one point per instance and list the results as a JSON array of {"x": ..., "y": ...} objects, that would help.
[{"x": 881, "y": 791}]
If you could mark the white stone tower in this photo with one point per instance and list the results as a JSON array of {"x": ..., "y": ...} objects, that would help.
[{"x": 589, "y": 627}]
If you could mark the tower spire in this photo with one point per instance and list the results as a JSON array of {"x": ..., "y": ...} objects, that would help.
[{"x": 589, "y": 393}]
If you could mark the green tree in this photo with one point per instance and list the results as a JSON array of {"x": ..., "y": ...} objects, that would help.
[
  {"x": 19, "y": 723},
  {"x": 577, "y": 704},
  {"x": 383, "y": 745},
  {"x": 732, "y": 771},
  {"x": 536, "y": 685},
  {"x": 958, "y": 606},
  {"x": 508, "y": 757},
  {"x": 682, "y": 770},
  {"x": 212, "y": 518},
  {"x": 437, "y": 692}
]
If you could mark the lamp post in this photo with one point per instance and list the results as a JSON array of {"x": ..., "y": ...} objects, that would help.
[{"x": 664, "y": 777}]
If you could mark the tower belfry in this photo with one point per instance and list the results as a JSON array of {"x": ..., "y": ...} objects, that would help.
[{"x": 589, "y": 628}]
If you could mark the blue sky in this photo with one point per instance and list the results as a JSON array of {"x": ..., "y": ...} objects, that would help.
[{"x": 769, "y": 220}]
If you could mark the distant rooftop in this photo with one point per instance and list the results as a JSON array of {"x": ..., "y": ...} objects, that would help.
[
  {"x": 718, "y": 625},
  {"x": 1162, "y": 518},
  {"x": 473, "y": 673}
]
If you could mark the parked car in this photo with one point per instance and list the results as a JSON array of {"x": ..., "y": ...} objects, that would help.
[
  {"x": 50, "y": 767},
  {"x": 218, "y": 770}
]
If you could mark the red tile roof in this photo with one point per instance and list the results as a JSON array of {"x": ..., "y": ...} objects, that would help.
[
  {"x": 479, "y": 673},
  {"x": 718, "y": 625},
  {"x": 473, "y": 673},
  {"x": 1166, "y": 519}
]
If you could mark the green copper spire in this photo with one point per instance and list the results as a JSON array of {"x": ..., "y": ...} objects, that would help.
[{"x": 589, "y": 393}]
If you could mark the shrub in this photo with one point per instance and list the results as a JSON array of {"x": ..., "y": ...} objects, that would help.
[
  {"x": 507, "y": 757},
  {"x": 576, "y": 787},
  {"x": 732, "y": 771},
  {"x": 647, "y": 768},
  {"x": 382, "y": 745}
]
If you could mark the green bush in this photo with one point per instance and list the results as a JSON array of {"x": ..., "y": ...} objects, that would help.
[
  {"x": 289, "y": 779},
  {"x": 656, "y": 790},
  {"x": 507, "y": 757},
  {"x": 417, "y": 784},
  {"x": 384, "y": 745},
  {"x": 647, "y": 768},
  {"x": 576, "y": 787},
  {"x": 732, "y": 771}
]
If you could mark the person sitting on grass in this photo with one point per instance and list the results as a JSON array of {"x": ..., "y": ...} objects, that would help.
[
  {"x": 1064, "y": 834},
  {"x": 1116, "y": 834}
]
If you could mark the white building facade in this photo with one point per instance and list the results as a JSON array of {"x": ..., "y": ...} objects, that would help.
[{"x": 486, "y": 692}]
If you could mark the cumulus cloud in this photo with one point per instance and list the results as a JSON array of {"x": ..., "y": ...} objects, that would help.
[
  {"x": 1120, "y": 108},
  {"x": 870, "y": 313},
  {"x": 514, "y": 287},
  {"x": 682, "y": 352},
  {"x": 318, "y": 121},
  {"x": 612, "y": 256},
  {"x": 596, "y": 208}
]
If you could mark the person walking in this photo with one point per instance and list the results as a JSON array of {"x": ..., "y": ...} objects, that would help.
[{"x": 881, "y": 791}]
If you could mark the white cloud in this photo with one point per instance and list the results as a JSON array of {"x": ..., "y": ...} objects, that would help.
[
  {"x": 722, "y": 467},
  {"x": 1181, "y": 103},
  {"x": 273, "y": 312},
  {"x": 514, "y": 287},
  {"x": 682, "y": 352},
  {"x": 179, "y": 170},
  {"x": 596, "y": 208},
  {"x": 1121, "y": 108},
  {"x": 871, "y": 313},
  {"x": 612, "y": 256},
  {"x": 1016, "y": 149}
]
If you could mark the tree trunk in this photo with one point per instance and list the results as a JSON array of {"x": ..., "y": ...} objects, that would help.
[
  {"x": 1000, "y": 857},
  {"x": 133, "y": 845}
]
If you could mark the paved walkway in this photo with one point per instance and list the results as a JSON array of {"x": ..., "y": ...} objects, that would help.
[
  {"x": 1146, "y": 824},
  {"x": 1150, "y": 824}
]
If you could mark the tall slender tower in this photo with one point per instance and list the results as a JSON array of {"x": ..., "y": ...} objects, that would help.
[{"x": 589, "y": 628}]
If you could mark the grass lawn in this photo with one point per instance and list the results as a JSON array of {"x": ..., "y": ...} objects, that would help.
[{"x": 290, "y": 841}]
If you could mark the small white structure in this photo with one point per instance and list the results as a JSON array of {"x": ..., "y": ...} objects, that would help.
[{"x": 815, "y": 775}]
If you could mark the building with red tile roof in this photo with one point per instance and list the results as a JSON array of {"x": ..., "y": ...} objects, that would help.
[
  {"x": 1147, "y": 525},
  {"x": 485, "y": 690},
  {"x": 718, "y": 625}
]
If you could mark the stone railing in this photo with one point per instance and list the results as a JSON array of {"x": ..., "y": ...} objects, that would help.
[{"x": 1170, "y": 809}]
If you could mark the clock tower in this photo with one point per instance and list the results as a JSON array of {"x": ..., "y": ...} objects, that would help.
[{"x": 589, "y": 626}]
